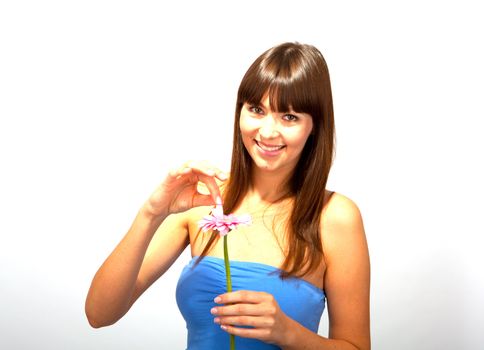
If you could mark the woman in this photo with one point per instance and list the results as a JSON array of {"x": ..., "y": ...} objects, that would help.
[{"x": 305, "y": 245}]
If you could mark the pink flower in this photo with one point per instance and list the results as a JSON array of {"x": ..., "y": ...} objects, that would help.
[{"x": 222, "y": 223}]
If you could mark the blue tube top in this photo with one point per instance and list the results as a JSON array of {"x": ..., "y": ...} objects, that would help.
[{"x": 199, "y": 285}]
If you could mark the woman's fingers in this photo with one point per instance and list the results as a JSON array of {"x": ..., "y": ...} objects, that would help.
[
  {"x": 252, "y": 321},
  {"x": 245, "y": 307},
  {"x": 206, "y": 174},
  {"x": 212, "y": 187},
  {"x": 180, "y": 190},
  {"x": 240, "y": 309},
  {"x": 254, "y": 333},
  {"x": 244, "y": 302},
  {"x": 200, "y": 200},
  {"x": 244, "y": 296},
  {"x": 251, "y": 314}
]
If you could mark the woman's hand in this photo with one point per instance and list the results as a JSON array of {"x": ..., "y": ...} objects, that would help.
[
  {"x": 178, "y": 192},
  {"x": 258, "y": 310}
]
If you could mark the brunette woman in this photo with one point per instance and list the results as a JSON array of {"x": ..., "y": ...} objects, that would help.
[{"x": 306, "y": 245}]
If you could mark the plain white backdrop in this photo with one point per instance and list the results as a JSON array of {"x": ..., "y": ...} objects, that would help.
[{"x": 98, "y": 99}]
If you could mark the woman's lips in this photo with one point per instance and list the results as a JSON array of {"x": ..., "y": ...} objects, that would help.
[{"x": 269, "y": 150}]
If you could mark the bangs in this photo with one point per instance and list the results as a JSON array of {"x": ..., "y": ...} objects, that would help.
[{"x": 292, "y": 83}]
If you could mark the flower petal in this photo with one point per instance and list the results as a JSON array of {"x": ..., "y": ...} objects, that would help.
[{"x": 222, "y": 223}]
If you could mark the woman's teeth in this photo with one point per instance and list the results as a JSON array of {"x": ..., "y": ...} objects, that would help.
[{"x": 269, "y": 148}]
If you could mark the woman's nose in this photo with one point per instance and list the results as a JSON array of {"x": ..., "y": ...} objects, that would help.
[{"x": 268, "y": 128}]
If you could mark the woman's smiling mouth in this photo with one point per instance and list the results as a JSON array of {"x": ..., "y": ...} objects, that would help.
[{"x": 269, "y": 150}]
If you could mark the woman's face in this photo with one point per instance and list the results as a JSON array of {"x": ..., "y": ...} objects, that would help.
[{"x": 274, "y": 140}]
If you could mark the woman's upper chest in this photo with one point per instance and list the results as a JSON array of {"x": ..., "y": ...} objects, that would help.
[{"x": 264, "y": 242}]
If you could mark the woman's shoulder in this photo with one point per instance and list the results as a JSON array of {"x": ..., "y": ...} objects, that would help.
[
  {"x": 341, "y": 226},
  {"x": 195, "y": 214},
  {"x": 339, "y": 207}
]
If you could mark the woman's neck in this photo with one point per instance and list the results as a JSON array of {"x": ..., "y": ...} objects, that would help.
[{"x": 268, "y": 186}]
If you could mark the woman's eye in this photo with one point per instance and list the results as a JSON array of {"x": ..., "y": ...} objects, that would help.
[
  {"x": 256, "y": 109},
  {"x": 290, "y": 117}
]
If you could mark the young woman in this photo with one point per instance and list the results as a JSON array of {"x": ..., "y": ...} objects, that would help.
[{"x": 305, "y": 246}]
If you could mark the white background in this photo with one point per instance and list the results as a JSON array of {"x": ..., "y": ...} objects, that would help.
[{"x": 98, "y": 99}]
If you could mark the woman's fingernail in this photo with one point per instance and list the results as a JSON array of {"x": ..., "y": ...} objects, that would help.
[
  {"x": 224, "y": 327},
  {"x": 213, "y": 310},
  {"x": 216, "y": 320},
  {"x": 217, "y": 299}
]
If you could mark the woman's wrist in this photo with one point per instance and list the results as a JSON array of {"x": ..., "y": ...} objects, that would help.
[
  {"x": 289, "y": 338},
  {"x": 154, "y": 211},
  {"x": 151, "y": 216}
]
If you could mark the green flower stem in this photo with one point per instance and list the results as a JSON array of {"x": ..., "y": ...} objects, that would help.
[
  {"x": 227, "y": 265},
  {"x": 229, "y": 282}
]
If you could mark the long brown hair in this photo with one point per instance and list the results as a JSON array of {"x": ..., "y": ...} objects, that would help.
[{"x": 296, "y": 77}]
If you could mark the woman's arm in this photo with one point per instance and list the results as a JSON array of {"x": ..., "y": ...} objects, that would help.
[
  {"x": 158, "y": 235},
  {"x": 346, "y": 282},
  {"x": 149, "y": 248},
  {"x": 347, "y": 279}
]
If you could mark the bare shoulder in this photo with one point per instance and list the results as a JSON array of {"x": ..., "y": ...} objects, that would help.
[
  {"x": 194, "y": 215},
  {"x": 197, "y": 213},
  {"x": 341, "y": 226},
  {"x": 184, "y": 221},
  {"x": 339, "y": 208},
  {"x": 347, "y": 277}
]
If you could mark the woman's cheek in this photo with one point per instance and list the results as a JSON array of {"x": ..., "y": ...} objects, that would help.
[{"x": 248, "y": 127}]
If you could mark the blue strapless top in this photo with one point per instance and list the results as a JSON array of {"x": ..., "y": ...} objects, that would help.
[{"x": 199, "y": 285}]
